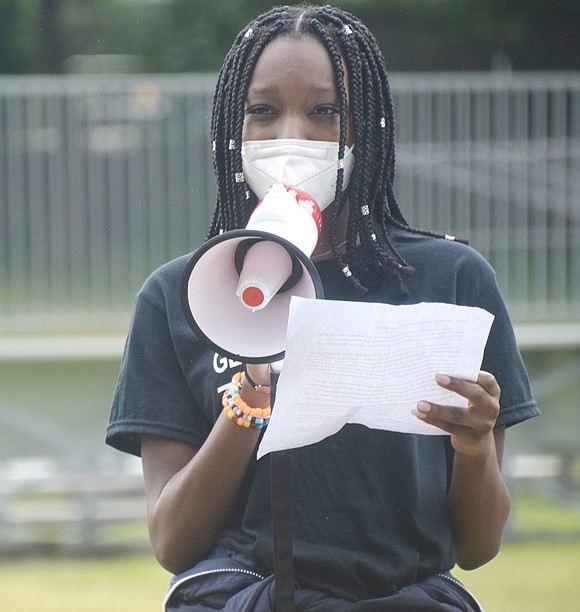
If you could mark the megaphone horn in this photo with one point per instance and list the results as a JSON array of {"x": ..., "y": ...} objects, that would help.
[{"x": 237, "y": 286}]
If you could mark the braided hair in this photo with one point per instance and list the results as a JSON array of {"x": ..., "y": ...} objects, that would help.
[{"x": 369, "y": 254}]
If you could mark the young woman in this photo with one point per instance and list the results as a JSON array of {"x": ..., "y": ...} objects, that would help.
[{"x": 378, "y": 518}]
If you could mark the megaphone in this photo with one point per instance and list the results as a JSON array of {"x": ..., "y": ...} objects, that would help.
[{"x": 237, "y": 286}]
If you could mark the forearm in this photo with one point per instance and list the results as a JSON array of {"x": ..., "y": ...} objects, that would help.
[
  {"x": 479, "y": 505},
  {"x": 190, "y": 494},
  {"x": 196, "y": 502}
]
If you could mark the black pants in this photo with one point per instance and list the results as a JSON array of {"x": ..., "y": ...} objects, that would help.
[{"x": 232, "y": 588}]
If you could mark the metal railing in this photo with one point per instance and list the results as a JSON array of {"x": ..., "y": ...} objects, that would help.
[
  {"x": 104, "y": 178},
  {"x": 496, "y": 158}
]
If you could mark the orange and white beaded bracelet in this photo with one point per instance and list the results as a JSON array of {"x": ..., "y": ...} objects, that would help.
[{"x": 238, "y": 411}]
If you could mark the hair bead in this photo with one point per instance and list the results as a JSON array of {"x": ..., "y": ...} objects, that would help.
[{"x": 239, "y": 176}]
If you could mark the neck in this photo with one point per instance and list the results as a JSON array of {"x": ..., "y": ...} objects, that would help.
[
  {"x": 320, "y": 255},
  {"x": 323, "y": 249}
]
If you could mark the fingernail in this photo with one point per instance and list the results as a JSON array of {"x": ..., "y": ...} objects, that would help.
[
  {"x": 421, "y": 410},
  {"x": 443, "y": 379},
  {"x": 424, "y": 407}
]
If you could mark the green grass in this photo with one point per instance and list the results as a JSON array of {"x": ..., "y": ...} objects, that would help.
[
  {"x": 528, "y": 576},
  {"x": 535, "y": 577},
  {"x": 119, "y": 584},
  {"x": 533, "y": 513}
]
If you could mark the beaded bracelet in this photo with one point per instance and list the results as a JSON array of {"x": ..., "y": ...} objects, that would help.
[{"x": 239, "y": 411}]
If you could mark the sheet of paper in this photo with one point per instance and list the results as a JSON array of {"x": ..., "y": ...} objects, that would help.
[{"x": 358, "y": 362}]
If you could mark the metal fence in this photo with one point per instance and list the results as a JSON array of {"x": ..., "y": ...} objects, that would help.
[
  {"x": 496, "y": 158},
  {"x": 103, "y": 179}
]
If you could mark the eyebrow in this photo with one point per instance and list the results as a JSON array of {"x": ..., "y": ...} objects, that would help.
[{"x": 267, "y": 89}]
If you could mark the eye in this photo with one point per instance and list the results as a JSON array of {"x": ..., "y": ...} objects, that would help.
[
  {"x": 259, "y": 109},
  {"x": 326, "y": 110}
]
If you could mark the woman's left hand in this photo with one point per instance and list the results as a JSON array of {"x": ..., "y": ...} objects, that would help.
[{"x": 471, "y": 428}]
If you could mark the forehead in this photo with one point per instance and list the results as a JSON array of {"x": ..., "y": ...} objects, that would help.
[{"x": 299, "y": 61}]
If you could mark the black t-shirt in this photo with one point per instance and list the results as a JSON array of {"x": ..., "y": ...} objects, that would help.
[{"x": 369, "y": 506}]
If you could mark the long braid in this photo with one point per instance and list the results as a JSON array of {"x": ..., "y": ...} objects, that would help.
[
  {"x": 370, "y": 184},
  {"x": 372, "y": 205}
]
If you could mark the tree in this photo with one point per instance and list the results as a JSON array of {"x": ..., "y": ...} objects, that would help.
[{"x": 194, "y": 35}]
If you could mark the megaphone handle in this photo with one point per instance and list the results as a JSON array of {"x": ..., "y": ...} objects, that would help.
[
  {"x": 281, "y": 522},
  {"x": 274, "y": 376}
]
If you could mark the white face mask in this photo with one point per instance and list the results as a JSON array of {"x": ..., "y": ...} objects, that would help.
[{"x": 310, "y": 165}]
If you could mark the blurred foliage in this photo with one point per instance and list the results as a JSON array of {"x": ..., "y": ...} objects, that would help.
[{"x": 47, "y": 36}]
